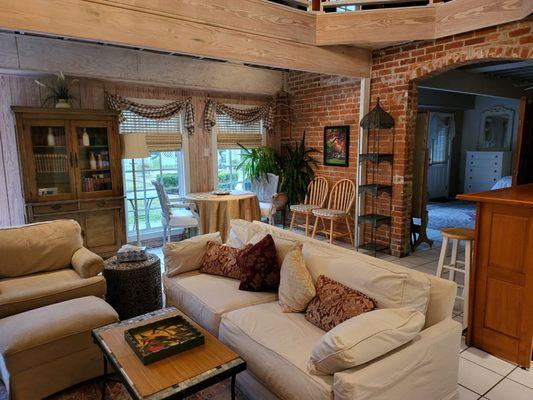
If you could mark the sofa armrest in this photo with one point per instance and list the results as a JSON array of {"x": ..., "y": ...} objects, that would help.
[
  {"x": 86, "y": 263},
  {"x": 427, "y": 366}
]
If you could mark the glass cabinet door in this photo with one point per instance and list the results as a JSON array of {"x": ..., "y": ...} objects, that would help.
[
  {"x": 93, "y": 157},
  {"x": 52, "y": 161}
]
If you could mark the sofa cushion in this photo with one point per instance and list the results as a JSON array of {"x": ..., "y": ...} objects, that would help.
[
  {"x": 282, "y": 245},
  {"x": 187, "y": 255},
  {"x": 259, "y": 266},
  {"x": 35, "y": 337},
  {"x": 390, "y": 286},
  {"x": 334, "y": 303},
  {"x": 221, "y": 259},
  {"x": 38, "y": 290},
  {"x": 276, "y": 347},
  {"x": 205, "y": 298},
  {"x": 45, "y": 246},
  {"x": 296, "y": 288},
  {"x": 428, "y": 294},
  {"x": 364, "y": 338}
]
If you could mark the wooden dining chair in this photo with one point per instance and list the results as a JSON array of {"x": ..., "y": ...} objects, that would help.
[
  {"x": 340, "y": 205},
  {"x": 315, "y": 198}
]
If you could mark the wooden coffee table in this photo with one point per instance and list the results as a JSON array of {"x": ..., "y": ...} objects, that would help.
[{"x": 175, "y": 377}]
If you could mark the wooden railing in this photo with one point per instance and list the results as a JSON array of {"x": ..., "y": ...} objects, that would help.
[{"x": 354, "y": 5}]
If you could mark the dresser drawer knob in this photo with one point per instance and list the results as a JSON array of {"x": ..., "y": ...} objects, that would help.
[
  {"x": 100, "y": 203},
  {"x": 56, "y": 207}
]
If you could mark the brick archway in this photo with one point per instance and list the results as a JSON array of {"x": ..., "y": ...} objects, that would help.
[{"x": 395, "y": 74}]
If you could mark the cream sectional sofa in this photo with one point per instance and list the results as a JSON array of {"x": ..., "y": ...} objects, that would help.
[{"x": 277, "y": 345}]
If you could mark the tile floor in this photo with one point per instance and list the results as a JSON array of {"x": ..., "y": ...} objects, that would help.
[{"x": 481, "y": 375}]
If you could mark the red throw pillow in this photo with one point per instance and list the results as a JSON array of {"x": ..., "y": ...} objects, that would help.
[
  {"x": 259, "y": 266},
  {"x": 220, "y": 259},
  {"x": 334, "y": 303}
]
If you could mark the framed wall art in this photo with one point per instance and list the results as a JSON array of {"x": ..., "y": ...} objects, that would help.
[{"x": 336, "y": 145}]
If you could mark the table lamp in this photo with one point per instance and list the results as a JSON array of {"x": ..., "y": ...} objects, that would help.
[{"x": 134, "y": 146}]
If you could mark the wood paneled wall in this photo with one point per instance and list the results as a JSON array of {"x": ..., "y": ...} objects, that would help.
[{"x": 23, "y": 91}]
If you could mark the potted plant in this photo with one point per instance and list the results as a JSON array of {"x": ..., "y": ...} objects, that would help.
[
  {"x": 60, "y": 92},
  {"x": 297, "y": 165},
  {"x": 256, "y": 163}
]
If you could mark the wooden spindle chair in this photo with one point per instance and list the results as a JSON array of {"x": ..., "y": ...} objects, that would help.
[
  {"x": 315, "y": 198},
  {"x": 340, "y": 205}
]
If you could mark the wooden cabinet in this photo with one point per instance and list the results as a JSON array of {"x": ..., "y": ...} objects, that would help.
[
  {"x": 71, "y": 168},
  {"x": 501, "y": 289}
]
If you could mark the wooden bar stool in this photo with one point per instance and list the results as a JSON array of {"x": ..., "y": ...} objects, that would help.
[{"x": 456, "y": 235}]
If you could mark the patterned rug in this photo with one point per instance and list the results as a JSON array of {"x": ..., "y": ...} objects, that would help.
[
  {"x": 451, "y": 214},
  {"x": 115, "y": 391}
]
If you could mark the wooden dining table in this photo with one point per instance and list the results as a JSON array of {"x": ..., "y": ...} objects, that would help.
[{"x": 216, "y": 211}]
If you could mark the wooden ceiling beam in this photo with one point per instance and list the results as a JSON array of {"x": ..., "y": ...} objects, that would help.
[{"x": 101, "y": 21}]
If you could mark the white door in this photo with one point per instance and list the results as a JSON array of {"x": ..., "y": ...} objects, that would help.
[{"x": 440, "y": 135}]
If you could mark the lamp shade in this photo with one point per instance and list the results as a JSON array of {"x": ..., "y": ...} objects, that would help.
[{"x": 134, "y": 145}]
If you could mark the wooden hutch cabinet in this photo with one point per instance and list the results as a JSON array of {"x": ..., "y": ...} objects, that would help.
[{"x": 71, "y": 168}]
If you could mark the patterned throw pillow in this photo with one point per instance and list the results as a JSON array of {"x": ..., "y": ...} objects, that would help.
[
  {"x": 220, "y": 259},
  {"x": 334, "y": 303},
  {"x": 259, "y": 266}
]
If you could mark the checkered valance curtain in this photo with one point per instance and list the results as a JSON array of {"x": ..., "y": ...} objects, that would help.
[
  {"x": 238, "y": 115},
  {"x": 165, "y": 111}
]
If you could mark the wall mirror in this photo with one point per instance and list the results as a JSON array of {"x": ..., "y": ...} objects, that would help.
[{"x": 496, "y": 129}]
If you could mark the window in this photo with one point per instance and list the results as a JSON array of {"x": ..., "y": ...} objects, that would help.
[
  {"x": 229, "y": 133},
  {"x": 165, "y": 164},
  {"x": 439, "y": 142}
]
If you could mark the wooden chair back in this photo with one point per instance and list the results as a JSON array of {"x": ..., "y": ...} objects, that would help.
[
  {"x": 342, "y": 196},
  {"x": 317, "y": 192}
]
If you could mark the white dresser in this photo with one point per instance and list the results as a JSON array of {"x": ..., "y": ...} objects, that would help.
[{"x": 485, "y": 168}]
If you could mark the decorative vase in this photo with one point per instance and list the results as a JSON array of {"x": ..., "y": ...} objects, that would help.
[
  {"x": 62, "y": 103},
  {"x": 50, "y": 139},
  {"x": 92, "y": 161},
  {"x": 85, "y": 138}
]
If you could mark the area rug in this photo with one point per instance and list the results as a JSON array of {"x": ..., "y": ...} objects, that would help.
[
  {"x": 115, "y": 391},
  {"x": 451, "y": 214}
]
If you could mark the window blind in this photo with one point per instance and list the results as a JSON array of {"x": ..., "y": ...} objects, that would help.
[
  {"x": 161, "y": 135},
  {"x": 229, "y": 133}
]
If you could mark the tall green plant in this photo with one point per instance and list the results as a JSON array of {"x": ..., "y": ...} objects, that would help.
[
  {"x": 256, "y": 163},
  {"x": 298, "y": 171}
]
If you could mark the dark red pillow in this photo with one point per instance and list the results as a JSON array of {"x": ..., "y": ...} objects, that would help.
[{"x": 259, "y": 267}]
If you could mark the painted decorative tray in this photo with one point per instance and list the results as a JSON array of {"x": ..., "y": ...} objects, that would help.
[
  {"x": 157, "y": 340},
  {"x": 221, "y": 192}
]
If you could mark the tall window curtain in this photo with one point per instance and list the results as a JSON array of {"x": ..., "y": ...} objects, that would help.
[{"x": 245, "y": 116}]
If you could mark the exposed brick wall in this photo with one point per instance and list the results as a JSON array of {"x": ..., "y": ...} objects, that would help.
[
  {"x": 394, "y": 78},
  {"x": 318, "y": 101}
]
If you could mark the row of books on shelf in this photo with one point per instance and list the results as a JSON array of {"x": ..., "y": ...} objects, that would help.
[
  {"x": 97, "y": 183},
  {"x": 51, "y": 162}
]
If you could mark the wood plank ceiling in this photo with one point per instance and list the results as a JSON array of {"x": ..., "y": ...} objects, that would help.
[{"x": 255, "y": 32}]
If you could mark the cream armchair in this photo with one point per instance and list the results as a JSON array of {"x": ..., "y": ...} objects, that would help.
[{"x": 46, "y": 263}]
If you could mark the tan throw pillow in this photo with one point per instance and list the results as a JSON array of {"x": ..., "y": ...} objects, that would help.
[
  {"x": 364, "y": 338},
  {"x": 187, "y": 255},
  {"x": 221, "y": 259},
  {"x": 296, "y": 288},
  {"x": 283, "y": 246},
  {"x": 334, "y": 303}
]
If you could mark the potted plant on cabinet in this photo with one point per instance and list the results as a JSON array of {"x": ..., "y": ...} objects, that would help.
[{"x": 60, "y": 92}]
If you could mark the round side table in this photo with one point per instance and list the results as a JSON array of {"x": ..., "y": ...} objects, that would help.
[{"x": 134, "y": 288}]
